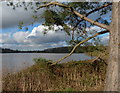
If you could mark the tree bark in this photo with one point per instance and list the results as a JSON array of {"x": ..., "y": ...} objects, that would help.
[{"x": 113, "y": 73}]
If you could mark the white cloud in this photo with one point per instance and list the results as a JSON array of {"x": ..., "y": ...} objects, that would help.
[
  {"x": 36, "y": 38},
  {"x": 35, "y": 46},
  {"x": 6, "y": 38},
  {"x": 20, "y": 37}
]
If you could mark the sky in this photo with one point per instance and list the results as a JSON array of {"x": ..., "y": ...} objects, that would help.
[{"x": 32, "y": 39}]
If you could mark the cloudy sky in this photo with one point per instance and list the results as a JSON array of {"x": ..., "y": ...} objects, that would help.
[{"x": 32, "y": 39}]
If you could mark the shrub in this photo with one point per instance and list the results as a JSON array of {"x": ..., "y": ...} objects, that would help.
[{"x": 39, "y": 60}]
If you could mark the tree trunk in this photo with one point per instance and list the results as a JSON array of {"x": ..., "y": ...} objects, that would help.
[{"x": 113, "y": 72}]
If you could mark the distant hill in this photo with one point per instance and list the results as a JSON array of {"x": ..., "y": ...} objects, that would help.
[
  {"x": 6, "y": 50},
  {"x": 50, "y": 50},
  {"x": 81, "y": 49}
]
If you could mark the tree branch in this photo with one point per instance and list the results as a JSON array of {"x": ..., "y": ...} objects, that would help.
[
  {"x": 76, "y": 13},
  {"x": 98, "y": 8},
  {"x": 91, "y": 21},
  {"x": 99, "y": 33},
  {"x": 91, "y": 13},
  {"x": 86, "y": 16},
  {"x": 53, "y": 3}
]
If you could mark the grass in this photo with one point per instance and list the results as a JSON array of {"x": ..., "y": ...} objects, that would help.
[
  {"x": 71, "y": 76},
  {"x": 104, "y": 51}
]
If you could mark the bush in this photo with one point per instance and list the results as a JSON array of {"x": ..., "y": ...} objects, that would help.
[{"x": 39, "y": 60}]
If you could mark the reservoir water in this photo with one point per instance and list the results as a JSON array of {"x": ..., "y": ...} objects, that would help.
[{"x": 14, "y": 62}]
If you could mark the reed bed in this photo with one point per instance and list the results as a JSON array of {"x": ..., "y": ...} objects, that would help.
[{"x": 71, "y": 76}]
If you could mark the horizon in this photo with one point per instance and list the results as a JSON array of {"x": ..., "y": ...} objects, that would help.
[{"x": 46, "y": 48}]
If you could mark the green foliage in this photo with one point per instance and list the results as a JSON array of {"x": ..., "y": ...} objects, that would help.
[
  {"x": 34, "y": 17},
  {"x": 106, "y": 22},
  {"x": 26, "y": 28},
  {"x": 86, "y": 49},
  {"x": 44, "y": 64},
  {"x": 69, "y": 89},
  {"x": 40, "y": 60},
  {"x": 67, "y": 29},
  {"x": 51, "y": 18},
  {"x": 65, "y": 17},
  {"x": 20, "y": 24}
]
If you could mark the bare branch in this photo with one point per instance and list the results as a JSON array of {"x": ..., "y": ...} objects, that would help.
[
  {"x": 99, "y": 33},
  {"x": 76, "y": 13}
]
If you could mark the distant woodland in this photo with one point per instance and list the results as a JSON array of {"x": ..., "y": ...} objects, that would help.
[{"x": 81, "y": 49}]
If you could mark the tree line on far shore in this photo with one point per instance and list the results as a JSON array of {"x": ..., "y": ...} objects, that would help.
[{"x": 81, "y": 49}]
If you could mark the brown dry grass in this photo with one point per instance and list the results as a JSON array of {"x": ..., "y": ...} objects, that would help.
[{"x": 71, "y": 76}]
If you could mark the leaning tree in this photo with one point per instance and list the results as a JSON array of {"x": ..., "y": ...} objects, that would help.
[{"x": 74, "y": 18}]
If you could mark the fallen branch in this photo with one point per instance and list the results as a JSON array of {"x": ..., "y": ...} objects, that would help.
[{"x": 99, "y": 33}]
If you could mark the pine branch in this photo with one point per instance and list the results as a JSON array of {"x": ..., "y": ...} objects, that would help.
[
  {"x": 91, "y": 21},
  {"x": 97, "y": 9},
  {"x": 53, "y": 3},
  {"x": 76, "y": 13},
  {"x": 99, "y": 33}
]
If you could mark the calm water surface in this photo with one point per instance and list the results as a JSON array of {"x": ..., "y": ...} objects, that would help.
[{"x": 14, "y": 62}]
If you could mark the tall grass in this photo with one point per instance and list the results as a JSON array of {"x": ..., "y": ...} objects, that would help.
[{"x": 71, "y": 76}]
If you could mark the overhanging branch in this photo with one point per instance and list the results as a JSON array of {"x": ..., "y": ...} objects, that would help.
[
  {"x": 53, "y": 3},
  {"x": 76, "y": 13},
  {"x": 91, "y": 13},
  {"x": 99, "y": 33},
  {"x": 97, "y": 9},
  {"x": 91, "y": 21}
]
